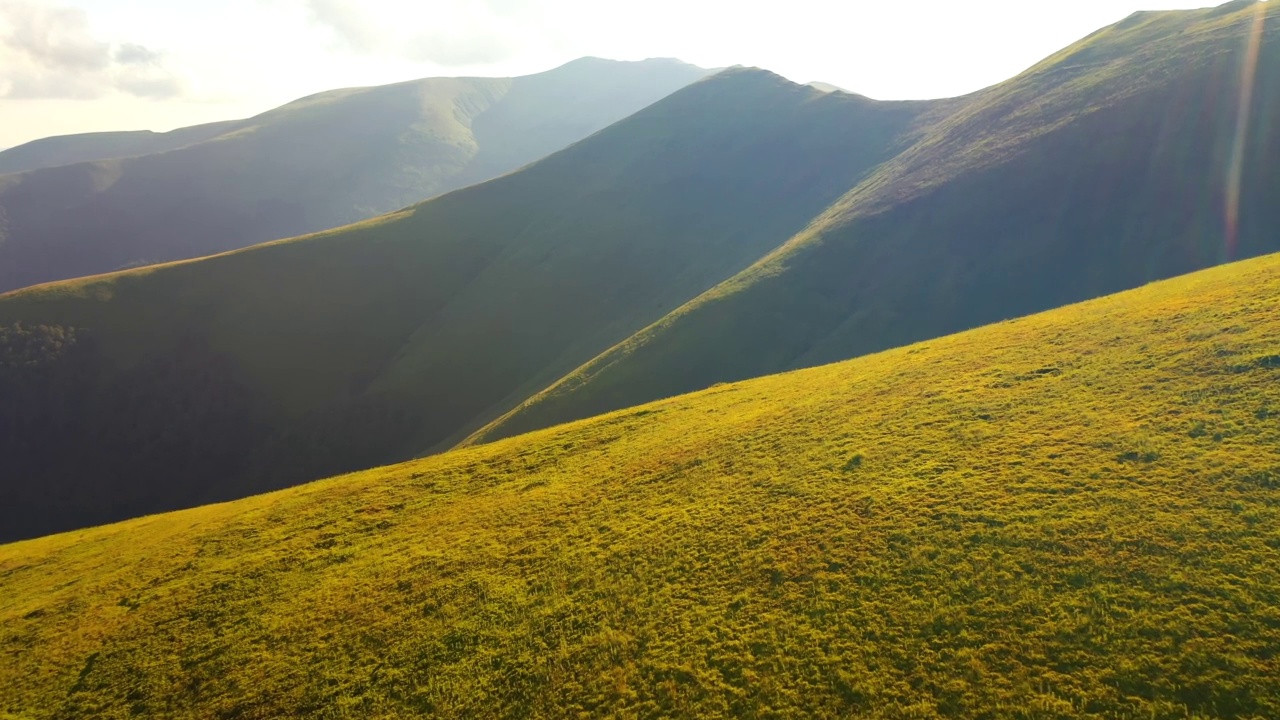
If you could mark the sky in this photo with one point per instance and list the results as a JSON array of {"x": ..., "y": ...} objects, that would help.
[{"x": 89, "y": 65}]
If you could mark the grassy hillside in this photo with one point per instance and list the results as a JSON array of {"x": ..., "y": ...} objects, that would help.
[
  {"x": 317, "y": 163},
  {"x": 1104, "y": 167},
  {"x": 1070, "y": 515},
  {"x": 176, "y": 385}
]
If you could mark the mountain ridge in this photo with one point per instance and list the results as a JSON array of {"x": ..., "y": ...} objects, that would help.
[
  {"x": 60, "y": 150},
  {"x": 75, "y": 148},
  {"x": 322, "y": 161},
  {"x": 822, "y": 295}
]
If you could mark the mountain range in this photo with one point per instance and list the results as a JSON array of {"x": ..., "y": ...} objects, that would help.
[
  {"x": 88, "y": 204},
  {"x": 742, "y": 226}
]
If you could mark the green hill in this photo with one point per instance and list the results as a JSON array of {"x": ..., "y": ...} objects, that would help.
[
  {"x": 180, "y": 384},
  {"x": 1069, "y": 515},
  {"x": 1104, "y": 167},
  {"x": 317, "y": 163}
]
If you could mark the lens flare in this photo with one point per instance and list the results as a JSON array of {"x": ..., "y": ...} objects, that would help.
[{"x": 1235, "y": 170}]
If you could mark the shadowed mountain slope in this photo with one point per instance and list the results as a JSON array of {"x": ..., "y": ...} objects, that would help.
[
  {"x": 211, "y": 379},
  {"x": 1070, "y": 515},
  {"x": 1106, "y": 166},
  {"x": 320, "y": 162}
]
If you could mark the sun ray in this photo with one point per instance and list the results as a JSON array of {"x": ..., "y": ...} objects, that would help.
[{"x": 1235, "y": 170}]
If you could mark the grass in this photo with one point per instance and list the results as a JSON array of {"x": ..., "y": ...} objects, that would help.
[
  {"x": 1073, "y": 514},
  {"x": 1096, "y": 171}
]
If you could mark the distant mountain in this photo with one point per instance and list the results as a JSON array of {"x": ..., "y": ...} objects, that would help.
[
  {"x": 88, "y": 147},
  {"x": 1102, "y": 168},
  {"x": 216, "y": 378},
  {"x": 317, "y": 163},
  {"x": 1071, "y": 515}
]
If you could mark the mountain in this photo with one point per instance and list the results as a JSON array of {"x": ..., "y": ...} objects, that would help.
[
  {"x": 88, "y": 147},
  {"x": 1104, "y": 167},
  {"x": 317, "y": 163},
  {"x": 1068, "y": 515},
  {"x": 180, "y": 384}
]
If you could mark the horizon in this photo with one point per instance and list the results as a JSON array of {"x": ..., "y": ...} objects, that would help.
[{"x": 79, "y": 66}]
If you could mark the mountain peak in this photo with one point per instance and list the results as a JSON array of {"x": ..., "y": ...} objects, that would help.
[{"x": 826, "y": 87}]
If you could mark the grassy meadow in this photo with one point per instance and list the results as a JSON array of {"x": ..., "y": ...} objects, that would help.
[{"x": 1075, "y": 514}]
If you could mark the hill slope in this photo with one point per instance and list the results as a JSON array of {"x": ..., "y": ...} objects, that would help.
[
  {"x": 317, "y": 163},
  {"x": 1104, "y": 167},
  {"x": 181, "y": 384},
  {"x": 1069, "y": 515}
]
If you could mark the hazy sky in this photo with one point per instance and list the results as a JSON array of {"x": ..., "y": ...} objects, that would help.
[{"x": 82, "y": 65}]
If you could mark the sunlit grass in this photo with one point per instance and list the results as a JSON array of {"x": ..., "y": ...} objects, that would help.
[{"x": 1074, "y": 514}]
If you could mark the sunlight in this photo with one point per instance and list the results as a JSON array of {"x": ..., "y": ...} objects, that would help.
[{"x": 1235, "y": 170}]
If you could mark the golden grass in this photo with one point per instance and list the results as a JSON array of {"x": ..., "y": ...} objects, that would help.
[{"x": 1075, "y": 514}]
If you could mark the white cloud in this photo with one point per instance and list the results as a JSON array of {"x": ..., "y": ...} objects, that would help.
[
  {"x": 348, "y": 23},
  {"x": 450, "y": 35},
  {"x": 134, "y": 54},
  {"x": 49, "y": 51},
  {"x": 449, "y": 51}
]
